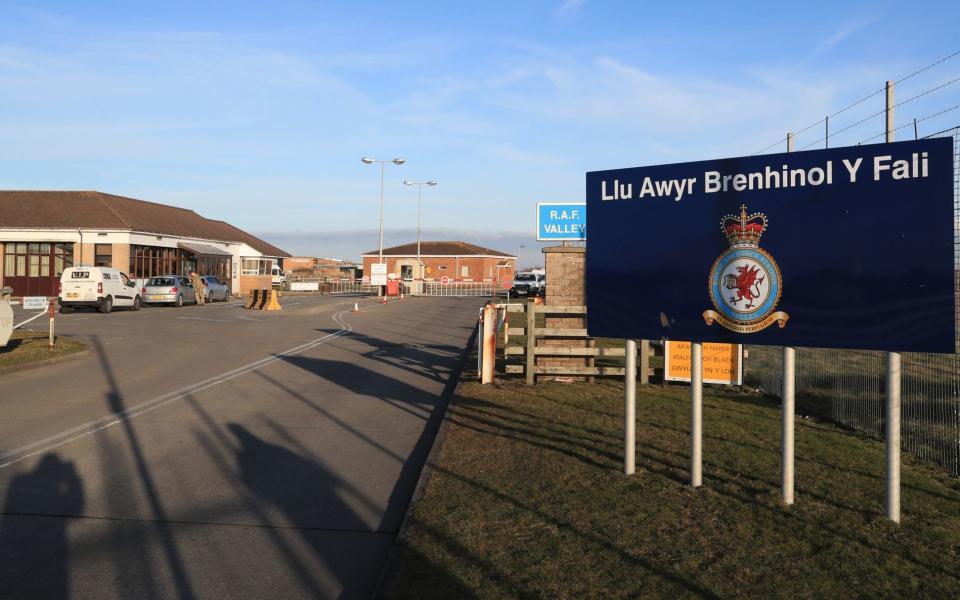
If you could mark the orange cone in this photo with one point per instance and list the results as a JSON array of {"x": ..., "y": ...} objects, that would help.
[
  {"x": 401, "y": 296},
  {"x": 384, "y": 301},
  {"x": 356, "y": 307}
]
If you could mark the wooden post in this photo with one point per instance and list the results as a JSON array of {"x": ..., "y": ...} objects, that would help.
[
  {"x": 644, "y": 362},
  {"x": 531, "y": 341},
  {"x": 591, "y": 361}
]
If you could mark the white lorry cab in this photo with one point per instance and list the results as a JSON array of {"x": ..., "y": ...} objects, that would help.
[{"x": 102, "y": 288}]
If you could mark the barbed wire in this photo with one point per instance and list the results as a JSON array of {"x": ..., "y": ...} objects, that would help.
[
  {"x": 858, "y": 102},
  {"x": 880, "y": 112},
  {"x": 911, "y": 123}
]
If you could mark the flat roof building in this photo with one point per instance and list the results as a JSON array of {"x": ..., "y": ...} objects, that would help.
[{"x": 43, "y": 232}]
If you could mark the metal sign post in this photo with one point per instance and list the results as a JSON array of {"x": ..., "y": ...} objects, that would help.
[
  {"x": 788, "y": 409},
  {"x": 893, "y": 389},
  {"x": 630, "y": 408},
  {"x": 696, "y": 414}
]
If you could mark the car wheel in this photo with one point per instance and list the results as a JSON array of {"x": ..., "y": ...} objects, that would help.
[
  {"x": 66, "y": 309},
  {"x": 136, "y": 303},
  {"x": 106, "y": 305},
  {"x": 179, "y": 302}
]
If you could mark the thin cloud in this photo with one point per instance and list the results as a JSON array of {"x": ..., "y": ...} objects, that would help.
[
  {"x": 570, "y": 8},
  {"x": 841, "y": 34}
]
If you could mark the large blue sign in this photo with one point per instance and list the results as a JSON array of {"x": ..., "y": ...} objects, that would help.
[
  {"x": 845, "y": 248},
  {"x": 558, "y": 221}
]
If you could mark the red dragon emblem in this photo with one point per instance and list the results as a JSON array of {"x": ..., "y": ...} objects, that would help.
[{"x": 747, "y": 283}]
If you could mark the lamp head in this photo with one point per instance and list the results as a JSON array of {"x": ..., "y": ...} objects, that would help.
[
  {"x": 399, "y": 161},
  {"x": 407, "y": 182},
  {"x": 431, "y": 183},
  {"x": 367, "y": 160}
]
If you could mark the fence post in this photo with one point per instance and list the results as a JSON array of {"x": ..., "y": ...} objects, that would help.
[
  {"x": 644, "y": 362},
  {"x": 630, "y": 408},
  {"x": 489, "y": 343},
  {"x": 531, "y": 341}
]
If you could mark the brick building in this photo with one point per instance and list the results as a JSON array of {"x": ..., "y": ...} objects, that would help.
[
  {"x": 460, "y": 261},
  {"x": 44, "y": 232}
]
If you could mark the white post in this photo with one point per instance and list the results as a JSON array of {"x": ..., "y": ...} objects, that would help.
[
  {"x": 893, "y": 436},
  {"x": 52, "y": 311},
  {"x": 788, "y": 394},
  {"x": 786, "y": 437},
  {"x": 696, "y": 414},
  {"x": 893, "y": 389},
  {"x": 630, "y": 408}
]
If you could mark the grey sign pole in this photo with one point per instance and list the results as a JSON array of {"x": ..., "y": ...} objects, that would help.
[
  {"x": 696, "y": 414},
  {"x": 630, "y": 408},
  {"x": 893, "y": 390}
]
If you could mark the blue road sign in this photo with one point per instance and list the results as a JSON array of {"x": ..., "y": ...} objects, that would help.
[
  {"x": 843, "y": 248},
  {"x": 558, "y": 221}
]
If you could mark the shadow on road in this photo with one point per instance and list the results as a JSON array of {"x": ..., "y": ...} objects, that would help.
[{"x": 34, "y": 555}]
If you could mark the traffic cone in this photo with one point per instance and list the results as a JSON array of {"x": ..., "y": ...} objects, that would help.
[
  {"x": 356, "y": 307},
  {"x": 401, "y": 296},
  {"x": 384, "y": 301}
]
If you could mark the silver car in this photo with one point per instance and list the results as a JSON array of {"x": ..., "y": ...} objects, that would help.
[
  {"x": 216, "y": 290},
  {"x": 169, "y": 289}
]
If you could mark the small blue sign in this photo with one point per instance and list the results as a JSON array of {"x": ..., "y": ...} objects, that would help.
[{"x": 559, "y": 221}]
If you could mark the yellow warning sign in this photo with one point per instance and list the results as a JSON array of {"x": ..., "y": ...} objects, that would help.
[{"x": 722, "y": 363}]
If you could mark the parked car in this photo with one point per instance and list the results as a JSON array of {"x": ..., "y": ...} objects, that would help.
[
  {"x": 528, "y": 285},
  {"x": 102, "y": 288},
  {"x": 216, "y": 290},
  {"x": 169, "y": 289}
]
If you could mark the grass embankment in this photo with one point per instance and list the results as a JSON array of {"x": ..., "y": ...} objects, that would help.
[
  {"x": 31, "y": 346},
  {"x": 529, "y": 499}
]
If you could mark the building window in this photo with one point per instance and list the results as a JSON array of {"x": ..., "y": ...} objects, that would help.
[
  {"x": 442, "y": 267},
  {"x": 256, "y": 266},
  {"x": 154, "y": 261},
  {"x": 103, "y": 255},
  {"x": 464, "y": 271}
]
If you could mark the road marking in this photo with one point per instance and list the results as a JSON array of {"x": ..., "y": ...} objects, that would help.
[
  {"x": 75, "y": 433},
  {"x": 205, "y": 319}
]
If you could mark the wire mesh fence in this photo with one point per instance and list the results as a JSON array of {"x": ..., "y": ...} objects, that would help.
[{"x": 849, "y": 386}]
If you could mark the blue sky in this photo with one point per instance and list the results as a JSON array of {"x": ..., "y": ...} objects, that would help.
[{"x": 258, "y": 113}]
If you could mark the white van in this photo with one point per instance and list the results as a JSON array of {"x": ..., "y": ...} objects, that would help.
[
  {"x": 102, "y": 288},
  {"x": 277, "y": 276}
]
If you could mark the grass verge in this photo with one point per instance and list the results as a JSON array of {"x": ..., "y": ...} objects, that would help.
[
  {"x": 529, "y": 500},
  {"x": 27, "y": 347}
]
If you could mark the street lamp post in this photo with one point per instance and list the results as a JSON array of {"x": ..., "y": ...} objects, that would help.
[
  {"x": 419, "y": 185},
  {"x": 369, "y": 161}
]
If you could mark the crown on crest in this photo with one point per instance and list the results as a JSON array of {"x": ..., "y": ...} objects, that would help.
[{"x": 744, "y": 230}]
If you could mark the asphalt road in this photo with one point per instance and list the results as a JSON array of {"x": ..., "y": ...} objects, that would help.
[{"x": 213, "y": 452}]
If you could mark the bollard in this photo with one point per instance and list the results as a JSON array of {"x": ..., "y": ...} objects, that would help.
[{"x": 52, "y": 311}]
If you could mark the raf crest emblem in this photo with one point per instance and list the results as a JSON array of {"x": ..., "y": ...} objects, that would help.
[{"x": 745, "y": 283}]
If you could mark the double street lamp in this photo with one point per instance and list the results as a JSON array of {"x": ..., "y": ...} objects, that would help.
[
  {"x": 370, "y": 161},
  {"x": 419, "y": 185}
]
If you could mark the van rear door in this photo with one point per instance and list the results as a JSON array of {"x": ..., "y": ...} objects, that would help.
[{"x": 80, "y": 285}]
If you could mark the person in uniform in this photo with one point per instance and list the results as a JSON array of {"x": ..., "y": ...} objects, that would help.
[{"x": 199, "y": 287}]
